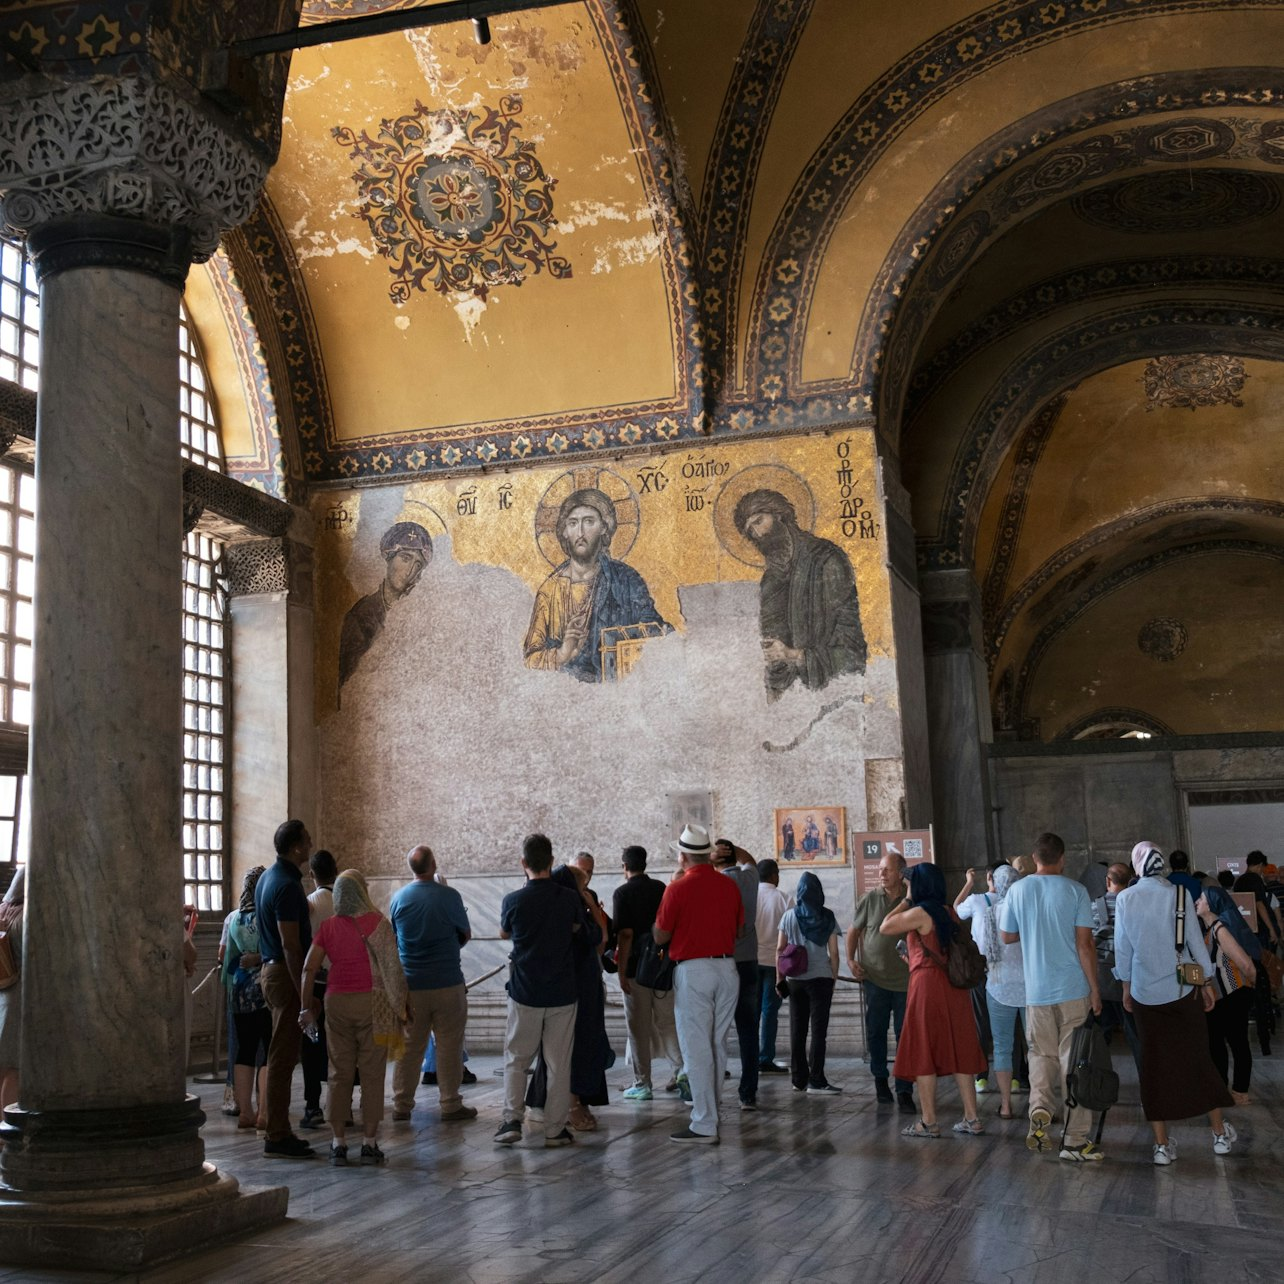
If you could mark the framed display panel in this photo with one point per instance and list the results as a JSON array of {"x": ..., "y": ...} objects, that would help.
[{"x": 810, "y": 836}]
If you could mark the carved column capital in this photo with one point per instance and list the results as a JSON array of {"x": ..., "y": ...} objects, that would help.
[{"x": 120, "y": 148}]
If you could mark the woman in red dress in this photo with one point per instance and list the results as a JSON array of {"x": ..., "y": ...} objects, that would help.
[{"x": 939, "y": 1034}]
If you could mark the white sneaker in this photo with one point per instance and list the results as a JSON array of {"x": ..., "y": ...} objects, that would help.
[
  {"x": 1223, "y": 1141},
  {"x": 1165, "y": 1155}
]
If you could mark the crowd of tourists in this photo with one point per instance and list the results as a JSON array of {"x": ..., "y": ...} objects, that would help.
[{"x": 989, "y": 990}]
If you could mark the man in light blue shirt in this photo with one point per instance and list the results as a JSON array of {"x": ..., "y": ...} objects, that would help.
[
  {"x": 1052, "y": 918},
  {"x": 432, "y": 926}
]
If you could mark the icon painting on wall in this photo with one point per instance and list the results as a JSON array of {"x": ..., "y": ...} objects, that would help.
[
  {"x": 811, "y": 835},
  {"x": 594, "y": 612},
  {"x": 406, "y": 549},
  {"x": 809, "y": 612}
]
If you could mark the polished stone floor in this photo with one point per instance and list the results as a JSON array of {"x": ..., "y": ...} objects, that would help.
[{"x": 808, "y": 1189}]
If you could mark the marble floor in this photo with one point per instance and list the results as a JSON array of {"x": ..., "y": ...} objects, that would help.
[{"x": 807, "y": 1189}]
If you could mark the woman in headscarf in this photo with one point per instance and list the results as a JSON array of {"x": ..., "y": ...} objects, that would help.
[
  {"x": 11, "y": 997},
  {"x": 240, "y": 962},
  {"x": 1178, "y": 1078},
  {"x": 811, "y": 992},
  {"x": 591, "y": 1052},
  {"x": 365, "y": 1009},
  {"x": 1004, "y": 975},
  {"x": 1228, "y": 939},
  {"x": 939, "y": 1034}
]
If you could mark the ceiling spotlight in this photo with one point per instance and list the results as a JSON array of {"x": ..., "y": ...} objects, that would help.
[{"x": 481, "y": 29}]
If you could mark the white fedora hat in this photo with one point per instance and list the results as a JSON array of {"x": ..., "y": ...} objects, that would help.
[{"x": 694, "y": 840}]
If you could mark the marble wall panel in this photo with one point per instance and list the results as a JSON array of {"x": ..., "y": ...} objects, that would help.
[{"x": 1100, "y": 805}]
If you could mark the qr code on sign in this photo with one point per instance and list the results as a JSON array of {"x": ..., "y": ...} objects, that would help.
[{"x": 913, "y": 849}]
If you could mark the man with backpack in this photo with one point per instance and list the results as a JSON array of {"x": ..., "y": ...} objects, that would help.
[
  {"x": 1052, "y": 918},
  {"x": 648, "y": 1012}
]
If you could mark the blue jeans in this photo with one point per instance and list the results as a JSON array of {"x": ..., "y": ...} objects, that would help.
[
  {"x": 1003, "y": 1021},
  {"x": 770, "y": 1014},
  {"x": 881, "y": 1006}
]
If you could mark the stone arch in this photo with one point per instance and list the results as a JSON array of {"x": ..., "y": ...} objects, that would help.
[
  {"x": 1112, "y": 583},
  {"x": 1061, "y": 359},
  {"x": 1115, "y": 716},
  {"x": 1065, "y": 150},
  {"x": 1122, "y": 528}
]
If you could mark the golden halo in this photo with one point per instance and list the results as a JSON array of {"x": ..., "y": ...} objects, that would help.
[
  {"x": 759, "y": 477},
  {"x": 612, "y": 485},
  {"x": 415, "y": 510}
]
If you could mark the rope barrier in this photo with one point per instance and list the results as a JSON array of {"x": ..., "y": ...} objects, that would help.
[
  {"x": 196, "y": 989},
  {"x": 468, "y": 985}
]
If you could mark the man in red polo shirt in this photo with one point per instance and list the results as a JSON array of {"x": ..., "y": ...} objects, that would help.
[{"x": 699, "y": 919}]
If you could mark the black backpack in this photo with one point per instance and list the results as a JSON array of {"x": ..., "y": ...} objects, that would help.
[
  {"x": 654, "y": 967},
  {"x": 1091, "y": 1082}
]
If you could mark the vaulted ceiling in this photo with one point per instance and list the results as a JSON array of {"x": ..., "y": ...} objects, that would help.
[{"x": 986, "y": 231}]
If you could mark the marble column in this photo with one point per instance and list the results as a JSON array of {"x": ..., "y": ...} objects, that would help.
[
  {"x": 103, "y": 1163},
  {"x": 958, "y": 718},
  {"x": 273, "y": 705}
]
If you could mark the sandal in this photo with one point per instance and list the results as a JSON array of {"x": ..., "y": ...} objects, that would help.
[
  {"x": 973, "y": 1127},
  {"x": 920, "y": 1129},
  {"x": 582, "y": 1120}
]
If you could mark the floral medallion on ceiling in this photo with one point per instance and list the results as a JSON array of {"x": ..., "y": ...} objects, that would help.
[
  {"x": 1194, "y": 380},
  {"x": 1163, "y": 639},
  {"x": 455, "y": 200}
]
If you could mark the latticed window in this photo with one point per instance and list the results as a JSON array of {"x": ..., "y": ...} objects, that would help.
[
  {"x": 204, "y": 606},
  {"x": 19, "y": 317},
  {"x": 204, "y": 655}
]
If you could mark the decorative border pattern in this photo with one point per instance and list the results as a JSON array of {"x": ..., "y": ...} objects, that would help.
[
  {"x": 934, "y": 250},
  {"x": 264, "y": 470},
  {"x": 1000, "y": 623},
  {"x": 1118, "y": 579},
  {"x": 731, "y": 170},
  {"x": 1029, "y": 450},
  {"x": 1092, "y": 283},
  {"x": 282, "y": 318},
  {"x": 800, "y": 238},
  {"x": 1063, "y": 358}
]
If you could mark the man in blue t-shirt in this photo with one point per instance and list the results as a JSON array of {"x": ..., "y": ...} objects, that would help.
[
  {"x": 432, "y": 926},
  {"x": 1052, "y": 918},
  {"x": 285, "y": 933},
  {"x": 541, "y": 919}
]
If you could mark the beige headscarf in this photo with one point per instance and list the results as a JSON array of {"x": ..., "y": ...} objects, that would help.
[{"x": 351, "y": 895}]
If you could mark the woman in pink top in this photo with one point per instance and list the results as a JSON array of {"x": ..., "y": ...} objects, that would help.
[{"x": 365, "y": 1009}]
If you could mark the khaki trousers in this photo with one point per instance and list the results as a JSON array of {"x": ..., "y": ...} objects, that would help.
[
  {"x": 349, "y": 1033},
  {"x": 283, "y": 1051},
  {"x": 444, "y": 1013},
  {"x": 649, "y": 1016},
  {"x": 1050, "y": 1031},
  {"x": 527, "y": 1029}
]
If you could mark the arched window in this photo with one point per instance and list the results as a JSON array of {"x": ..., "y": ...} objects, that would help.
[
  {"x": 205, "y": 650},
  {"x": 204, "y": 653}
]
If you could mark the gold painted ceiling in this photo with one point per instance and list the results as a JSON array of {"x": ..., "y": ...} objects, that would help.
[{"x": 628, "y": 224}]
